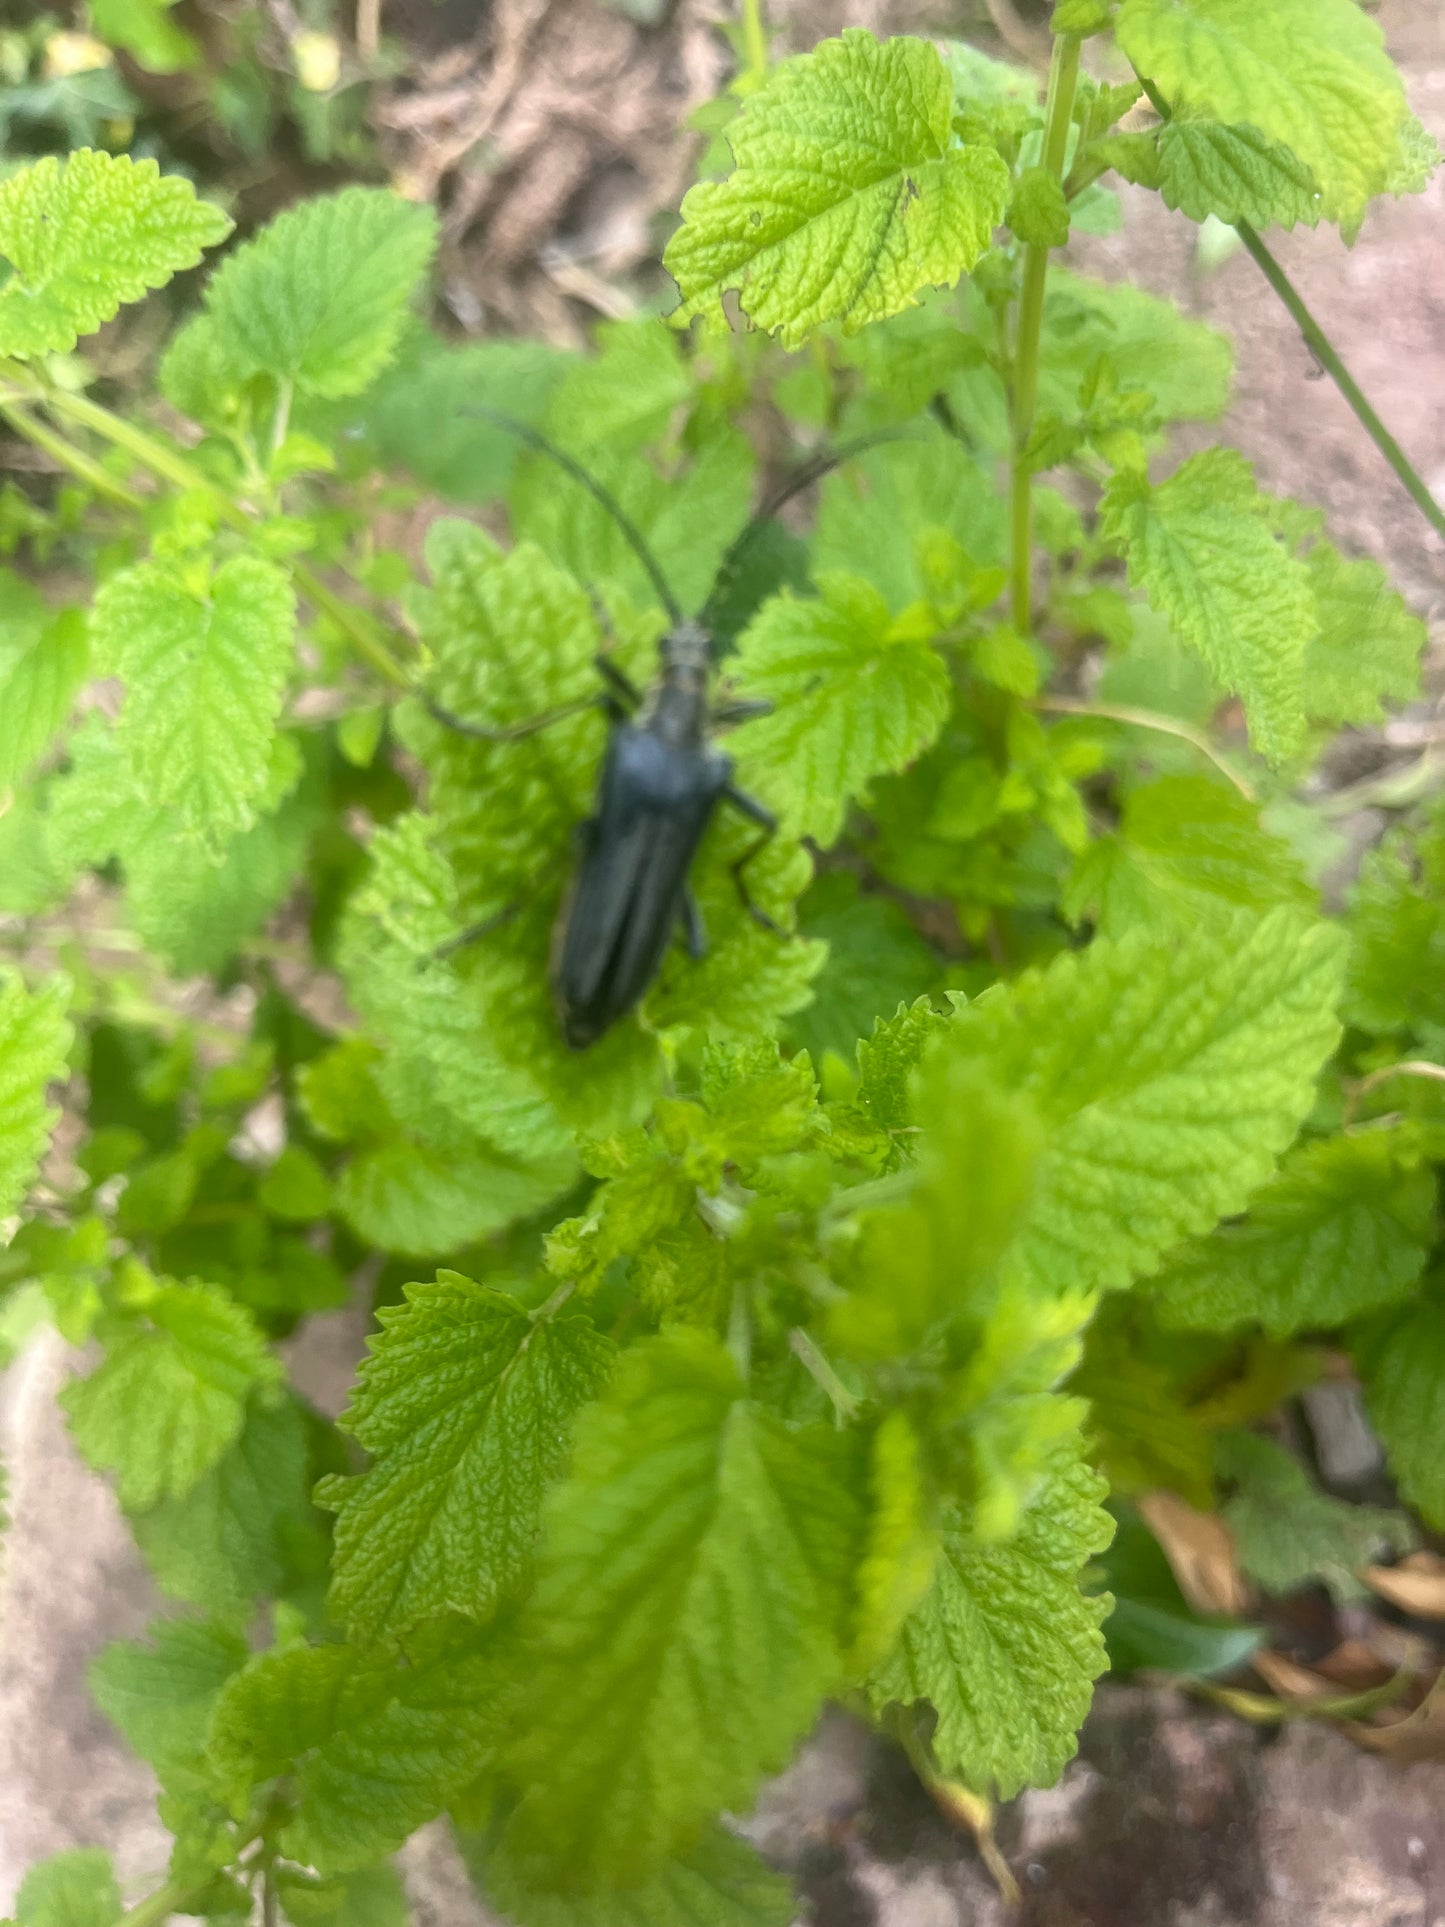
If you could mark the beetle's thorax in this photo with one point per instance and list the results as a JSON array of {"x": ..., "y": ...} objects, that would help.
[{"x": 678, "y": 710}]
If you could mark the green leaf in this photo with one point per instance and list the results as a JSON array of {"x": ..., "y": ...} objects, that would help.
[
  {"x": 876, "y": 961},
  {"x": 1186, "y": 366},
  {"x": 319, "y": 297},
  {"x": 1310, "y": 74},
  {"x": 34, "y": 1041},
  {"x": 1288, "y": 1533},
  {"x": 721, "y": 1883},
  {"x": 1418, "y": 158},
  {"x": 1186, "y": 846},
  {"x": 1005, "y": 1647},
  {"x": 373, "y": 1750},
  {"x": 296, "y": 1187},
  {"x": 854, "y": 696},
  {"x": 1038, "y": 212},
  {"x": 1401, "y": 1357},
  {"x": 1396, "y": 978},
  {"x": 1081, "y": 16},
  {"x": 76, "y": 1889},
  {"x": 161, "y": 1695},
  {"x": 425, "y": 1200},
  {"x": 205, "y": 672},
  {"x": 881, "y": 518},
  {"x": 1141, "y": 1434},
  {"x": 464, "y": 1405},
  {"x": 145, "y": 29},
  {"x": 1366, "y": 651},
  {"x": 1343, "y": 1229},
  {"x": 1167, "y": 1079},
  {"x": 232, "y": 1537},
  {"x": 169, "y": 1397},
  {"x": 888, "y": 1059},
  {"x": 195, "y": 913},
  {"x": 1202, "y": 548},
  {"x": 370, "y": 1897},
  {"x": 935, "y": 1258},
  {"x": 624, "y": 394},
  {"x": 1234, "y": 174},
  {"x": 691, "y": 1611},
  {"x": 82, "y": 235},
  {"x": 38, "y": 685},
  {"x": 414, "y": 411},
  {"x": 848, "y": 196}
]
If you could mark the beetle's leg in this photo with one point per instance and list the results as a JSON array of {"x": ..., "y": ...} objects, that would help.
[
  {"x": 743, "y": 710},
  {"x": 507, "y": 732},
  {"x": 759, "y": 813},
  {"x": 620, "y": 683},
  {"x": 694, "y": 932},
  {"x": 617, "y": 678},
  {"x": 473, "y": 933}
]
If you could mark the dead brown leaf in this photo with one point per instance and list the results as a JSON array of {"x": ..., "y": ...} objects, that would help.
[
  {"x": 1356, "y": 1665},
  {"x": 1290, "y": 1680},
  {"x": 1416, "y": 1585},
  {"x": 1419, "y": 1736},
  {"x": 1200, "y": 1549}
]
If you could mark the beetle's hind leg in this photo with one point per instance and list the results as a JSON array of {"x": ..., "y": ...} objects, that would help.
[
  {"x": 473, "y": 933},
  {"x": 694, "y": 931},
  {"x": 759, "y": 813}
]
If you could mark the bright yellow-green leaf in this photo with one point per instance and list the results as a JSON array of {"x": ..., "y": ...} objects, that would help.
[
  {"x": 1311, "y": 74},
  {"x": 81, "y": 236},
  {"x": 849, "y": 195}
]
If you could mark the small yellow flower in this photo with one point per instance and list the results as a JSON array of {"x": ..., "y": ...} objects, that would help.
[
  {"x": 74, "y": 53},
  {"x": 318, "y": 61}
]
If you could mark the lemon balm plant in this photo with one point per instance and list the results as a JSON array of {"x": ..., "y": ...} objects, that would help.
[{"x": 786, "y": 1343}]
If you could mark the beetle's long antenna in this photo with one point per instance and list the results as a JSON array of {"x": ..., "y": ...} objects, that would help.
[
  {"x": 804, "y": 476},
  {"x": 534, "y": 438}
]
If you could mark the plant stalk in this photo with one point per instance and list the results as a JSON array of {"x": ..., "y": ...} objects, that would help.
[
  {"x": 1059, "y": 111},
  {"x": 1318, "y": 342},
  {"x": 755, "y": 41},
  {"x": 170, "y": 465},
  {"x": 158, "y": 1907},
  {"x": 68, "y": 456},
  {"x": 845, "y": 1403},
  {"x": 1148, "y": 719},
  {"x": 1324, "y": 352}
]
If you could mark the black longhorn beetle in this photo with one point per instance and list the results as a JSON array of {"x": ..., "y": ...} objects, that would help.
[{"x": 661, "y": 782}]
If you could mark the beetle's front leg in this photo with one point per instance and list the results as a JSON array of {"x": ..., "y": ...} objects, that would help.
[
  {"x": 620, "y": 683},
  {"x": 744, "y": 709},
  {"x": 507, "y": 732},
  {"x": 759, "y": 813}
]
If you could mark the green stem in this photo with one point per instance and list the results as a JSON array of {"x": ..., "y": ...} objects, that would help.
[
  {"x": 1147, "y": 719},
  {"x": 159, "y": 1906},
  {"x": 76, "y": 460},
  {"x": 755, "y": 40},
  {"x": 1059, "y": 112},
  {"x": 1339, "y": 374},
  {"x": 845, "y": 1403},
  {"x": 1324, "y": 352},
  {"x": 281, "y": 421},
  {"x": 172, "y": 466},
  {"x": 740, "y": 1330}
]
